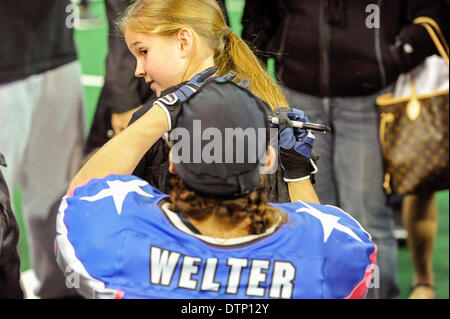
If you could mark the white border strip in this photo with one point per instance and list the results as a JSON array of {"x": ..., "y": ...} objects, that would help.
[
  {"x": 92, "y": 80},
  {"x": 67, "y": 252}
]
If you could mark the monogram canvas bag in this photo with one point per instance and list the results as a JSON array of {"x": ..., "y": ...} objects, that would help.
[{"x": 414, "y": 124}]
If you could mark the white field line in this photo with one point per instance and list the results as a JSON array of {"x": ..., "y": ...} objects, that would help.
[{"x": 92, "y": 80}]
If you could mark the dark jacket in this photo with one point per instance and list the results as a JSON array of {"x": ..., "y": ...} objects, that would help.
[
  {"x": 9, "y": 237},
  {"x": 34, "y": 37},
  {"x": 122, "y": 91},
  {"x": 325, "y": 48}
]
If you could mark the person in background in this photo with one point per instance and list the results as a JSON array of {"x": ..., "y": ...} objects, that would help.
[
  {"x": 334, "y": 58},
  {"x": 122, "y": 92},
  {"x": 420, "y": 218},
  {"x": 42, "y": 121},
  {"x": 419, "y": 214},
  {"x": 9, "y": 237}
]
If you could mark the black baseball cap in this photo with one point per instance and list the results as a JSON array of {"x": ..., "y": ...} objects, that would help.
[{"x": 220, "y": 140}]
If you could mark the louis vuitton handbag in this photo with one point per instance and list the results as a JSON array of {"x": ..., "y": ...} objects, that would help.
[{"x": 414, "y": 124}]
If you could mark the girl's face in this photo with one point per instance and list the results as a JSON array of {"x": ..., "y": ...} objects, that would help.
[{"x": 160, "y": 60}]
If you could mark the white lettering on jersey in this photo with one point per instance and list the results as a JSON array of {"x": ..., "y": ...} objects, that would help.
[
  {"x": 209, "y": 274},
  {"x": 189, "y": 268},
  {"x": 256, "y": 277},
  {"x": 234, "y": 277},
  {"x": 162, "y": 265},
  {"x": 282, "y": 280}
]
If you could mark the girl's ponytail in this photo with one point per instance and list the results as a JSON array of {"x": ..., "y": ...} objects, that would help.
[{"x": 235, "y": 55}]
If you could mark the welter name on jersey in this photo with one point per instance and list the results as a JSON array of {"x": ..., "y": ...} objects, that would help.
[
  {"x": 119, "y": 235},
  {"x": 164, "y": 264}
]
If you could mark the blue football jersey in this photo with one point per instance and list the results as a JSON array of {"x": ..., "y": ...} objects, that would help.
[{"x": 118, "y": 238}]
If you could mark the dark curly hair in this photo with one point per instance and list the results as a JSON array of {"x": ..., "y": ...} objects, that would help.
[{"x": 254, "y": 205}]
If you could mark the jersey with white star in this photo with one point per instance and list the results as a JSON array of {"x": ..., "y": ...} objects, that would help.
[{"x": 116, "y": 240}]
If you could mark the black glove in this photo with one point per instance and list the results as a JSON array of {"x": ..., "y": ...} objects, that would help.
[
  {"x": 411, "y": 46},
  {"x": 295, "y": 146}
]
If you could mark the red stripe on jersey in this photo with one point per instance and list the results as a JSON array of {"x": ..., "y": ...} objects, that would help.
[
  {"x": 119, "y": 294},
  {"x": 70, "y": 192},
  {"x": 360, "y": 290}
]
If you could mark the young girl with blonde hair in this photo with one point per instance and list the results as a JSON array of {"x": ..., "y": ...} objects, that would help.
[
  {"x": 201, "y": 25},
  {"x": 173, "y": 40},
  {"x": 176, "y": 41}
]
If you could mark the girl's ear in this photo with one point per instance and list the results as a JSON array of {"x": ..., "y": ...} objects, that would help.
[
  {"x": 271, "y": 160},
  {"x": 186, "y": 42},
  {"x": 171, "y": 167}
]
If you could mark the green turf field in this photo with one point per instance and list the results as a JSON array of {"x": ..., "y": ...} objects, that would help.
[{"x": 92, "y": 50}]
